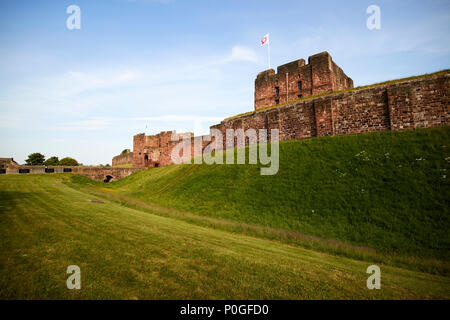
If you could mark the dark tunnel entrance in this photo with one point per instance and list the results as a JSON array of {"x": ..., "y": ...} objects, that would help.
[{"x": 107, "y": 179}]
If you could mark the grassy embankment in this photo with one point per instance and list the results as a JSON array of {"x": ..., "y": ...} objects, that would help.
[
  {"x": 124, "y": 253},
  {"x": 165, "y": 232},
  {"x": 386, "y": 192}
]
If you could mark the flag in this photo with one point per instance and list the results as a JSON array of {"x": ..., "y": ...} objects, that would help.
[{"x": 265, "y": 40}]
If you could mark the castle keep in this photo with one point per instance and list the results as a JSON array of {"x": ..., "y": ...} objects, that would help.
[
  {"x": 404, "y": 104},
  {"x": 295, "y": 80}
]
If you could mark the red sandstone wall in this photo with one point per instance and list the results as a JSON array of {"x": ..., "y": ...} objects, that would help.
[
  {"x": 421, "y": 103},
  {"x": 138, "y": 149},
  {"x": 361, "y": 111},
  {"x": 417, "y": 103},
  {"x": 155, "y": 150},
  {"x": 321, "y": 74}
]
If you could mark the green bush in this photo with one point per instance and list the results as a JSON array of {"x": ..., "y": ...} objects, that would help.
[
  {"x": 68, "y": 162},
  {"x": 52, "y": 161},
  {"x": 35, "y": 159}
]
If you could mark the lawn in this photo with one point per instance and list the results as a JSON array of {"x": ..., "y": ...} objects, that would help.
[
  {"x": 124, "y": 253},
  {"x": 386, "y": 192}
]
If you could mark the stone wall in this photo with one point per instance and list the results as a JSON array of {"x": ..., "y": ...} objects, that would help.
[
  {"x": 320, "y": 75},
  {"x": 123, "y": 159},
  {"x": 95, "y": 173},
  {"x": 415, "y": 103},
  {"x": 155, "y": 150},
  {"x": 99, "y": 173}
]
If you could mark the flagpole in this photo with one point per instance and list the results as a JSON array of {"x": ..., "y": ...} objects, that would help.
[{"x": 268, "y": 51}]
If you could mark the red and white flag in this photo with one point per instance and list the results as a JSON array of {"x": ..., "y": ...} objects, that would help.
[{"x": 265, "y": 40}]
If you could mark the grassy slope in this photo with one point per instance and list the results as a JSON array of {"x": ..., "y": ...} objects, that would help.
[
  {"x": 45, "y": 225},
  {"x": 388, "y": 191}
]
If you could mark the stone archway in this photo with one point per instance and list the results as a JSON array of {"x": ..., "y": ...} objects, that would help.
[{"x": 108, "y": 178}]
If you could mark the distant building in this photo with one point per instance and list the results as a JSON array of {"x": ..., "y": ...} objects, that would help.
[{"x": 7, "y": 164}]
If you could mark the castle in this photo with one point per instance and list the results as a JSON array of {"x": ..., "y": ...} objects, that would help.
[
  {"x": 289, "y": 101},
  {"x": 301, "y": 101}
]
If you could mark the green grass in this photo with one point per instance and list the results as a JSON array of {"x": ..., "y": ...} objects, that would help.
[
  {"x": 123, "y": 253},
  {"x": 378, "y": 196}
]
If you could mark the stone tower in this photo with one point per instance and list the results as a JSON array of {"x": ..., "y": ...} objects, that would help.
[{"x": 295, "y": 80}]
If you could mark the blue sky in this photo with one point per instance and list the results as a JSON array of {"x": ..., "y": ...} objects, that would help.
[{"x": 148, "y": 66}]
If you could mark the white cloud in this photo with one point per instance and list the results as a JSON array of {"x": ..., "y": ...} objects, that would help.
[{"x": 239, "y": 53}]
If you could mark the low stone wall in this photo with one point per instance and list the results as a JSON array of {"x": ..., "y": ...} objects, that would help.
[
  {"x": 94, "y": 173},
  {"x": 99, "y": 173}
]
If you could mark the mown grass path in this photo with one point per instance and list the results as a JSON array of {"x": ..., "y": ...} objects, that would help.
[{"x": 124, "y": 253}]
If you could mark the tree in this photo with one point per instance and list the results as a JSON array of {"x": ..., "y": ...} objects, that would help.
[
  {"x": 68, "y": 162},
  {"x": 52, "y": 161},
  {"x": 107, "y": 165},
  {"x": 35, "y": 159},
  {"x": 125, "y": 151}
]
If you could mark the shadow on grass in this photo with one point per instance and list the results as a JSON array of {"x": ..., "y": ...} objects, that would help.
[{"x": 9, "y": 200}]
